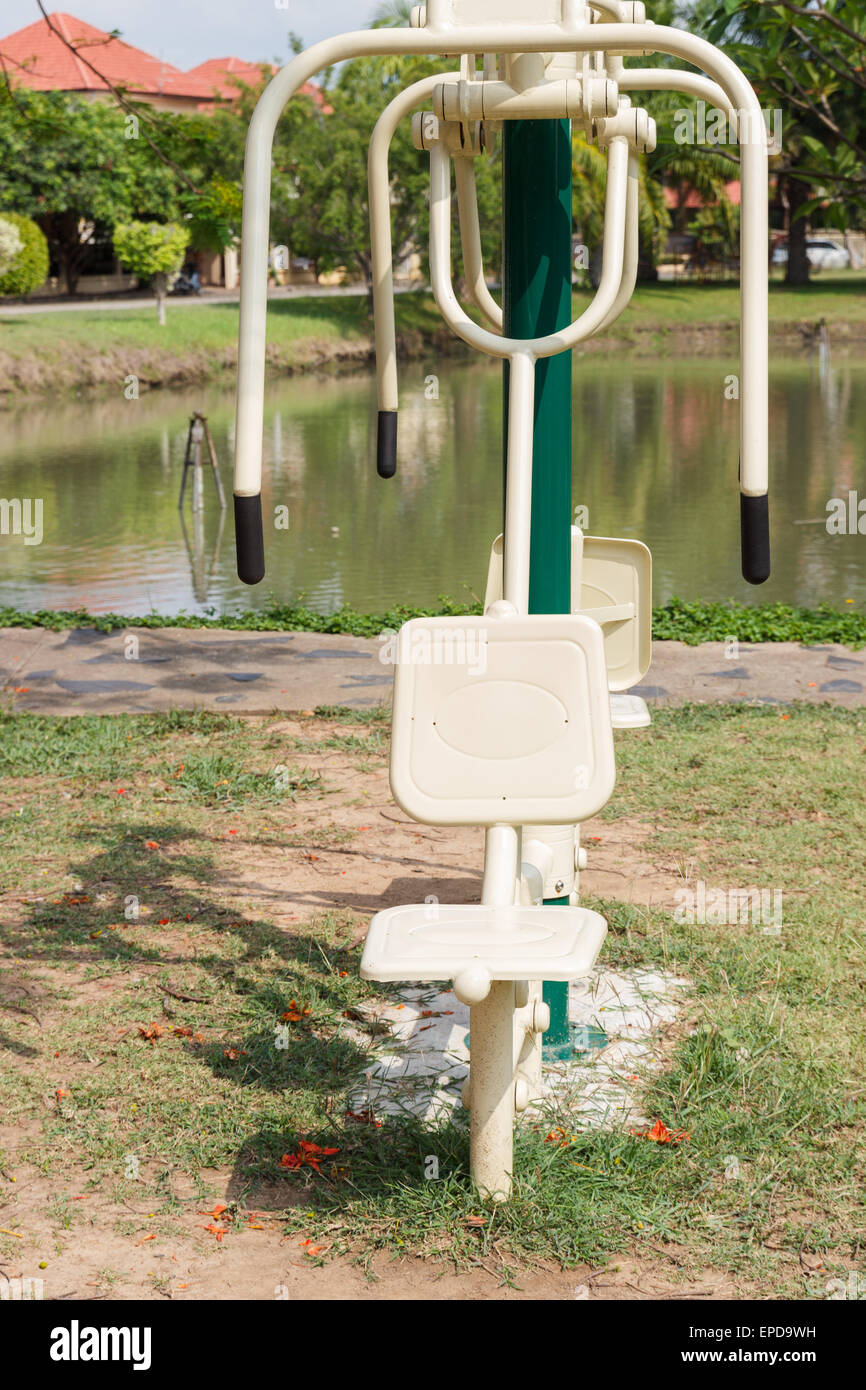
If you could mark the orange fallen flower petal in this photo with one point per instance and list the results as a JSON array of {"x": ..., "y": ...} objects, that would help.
[
  {"x": 151, "y": 844},
  {"x": 151, "y": 1032},
  {"x": 660, "y": 1134},
  {"x": 306, "y": 1147},
  {"x": 217, "y": 1231},
  {"x": 146, "y": 1239}
]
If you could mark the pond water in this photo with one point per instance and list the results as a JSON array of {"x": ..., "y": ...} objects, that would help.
[{"x": 655, "y": 457}]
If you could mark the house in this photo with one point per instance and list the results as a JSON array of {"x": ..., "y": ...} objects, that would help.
[
  {"x": 66, "y": 54},
  {"x": 41, "y": 57}
]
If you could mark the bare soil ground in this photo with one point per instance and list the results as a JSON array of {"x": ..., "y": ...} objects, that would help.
[{"x": 346, "y": 850}]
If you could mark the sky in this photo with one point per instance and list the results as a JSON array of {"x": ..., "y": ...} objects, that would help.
[{"x": 186, "y": 32}]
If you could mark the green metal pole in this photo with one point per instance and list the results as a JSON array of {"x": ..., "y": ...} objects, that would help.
[{"x": 536, "y": 282}]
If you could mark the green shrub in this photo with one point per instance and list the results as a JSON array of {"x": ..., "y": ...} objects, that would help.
[
  {"x": 151, "y": 248},
  {"x": 29, "y": 269}
]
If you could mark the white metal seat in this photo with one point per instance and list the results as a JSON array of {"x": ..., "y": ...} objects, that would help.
[
  {"x": 628, "y": 711},
  {"x": 501, "y": 720},
  {"x": 474, "y": 945}
]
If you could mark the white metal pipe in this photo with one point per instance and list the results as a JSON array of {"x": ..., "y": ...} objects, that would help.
[
  {"x": 491, "y": 1030},
  {"x": 379, "y": 189},
  {"x": 672, "y": 80},
  {"x": 569, "y": 36},
  {"x": 631, "y": 249},
  {"x": 501, "y": 865},
  {"x": 440, "y": 263},
  {"x": 518, "y": 480},
  {"x": 491, "y": 1091},
  {"x": 470, "y": 241}
]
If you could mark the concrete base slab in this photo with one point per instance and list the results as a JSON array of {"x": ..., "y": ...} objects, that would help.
[{"x": 425, "y": 1060}]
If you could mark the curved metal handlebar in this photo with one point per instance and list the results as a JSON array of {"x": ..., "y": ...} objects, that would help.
[
  {"x": 552, "y": 343},
  {"x": 567, "y": 37},
  {"x": 470, "y": 242}
]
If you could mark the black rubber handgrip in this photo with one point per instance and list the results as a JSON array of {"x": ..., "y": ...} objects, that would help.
[
  {"x": 755, "y": 538},
  {"x": 249, "y": 540},
  {"x": 386, "y": 444}
]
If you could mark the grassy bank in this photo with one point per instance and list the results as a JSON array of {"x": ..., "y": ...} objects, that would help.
[
  {"x": 691, "y": 623},
  {"x": 151, "y": 1035},
  {"x": 101, "y": 347}
]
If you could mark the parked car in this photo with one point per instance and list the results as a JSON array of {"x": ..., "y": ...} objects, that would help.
[{"x": 822, "y": 255}]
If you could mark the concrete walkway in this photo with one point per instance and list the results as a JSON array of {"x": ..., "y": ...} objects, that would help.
[
  {"x": 178, "y": 301},
  {"x": 140, "y": 670}
]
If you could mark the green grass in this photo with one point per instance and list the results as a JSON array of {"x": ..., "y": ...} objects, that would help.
[
  {"x": 209, "y": 328},
  {"x": 767, "y": 1069},
  {"x": 59, "y": 351},
  {"x": 677, "y": 620},
  {"x": 839, "y": 299},
  {"x": 64, "y": 352}
]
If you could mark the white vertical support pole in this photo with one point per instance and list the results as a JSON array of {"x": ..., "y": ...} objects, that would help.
[
  {"x": 491, "y": 1042},
  {"x": 491, "y": 1091}
]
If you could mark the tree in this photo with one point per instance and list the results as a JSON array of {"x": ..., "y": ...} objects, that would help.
[
  {"x": 807, "y": 60},
  {"x": 72, "y": 165},
  {"x": 23, "y": 255},
  {"x": 152, "y": 251},
  {"x": 589, "y": 183},
  {"x": 77, "y": 166}
]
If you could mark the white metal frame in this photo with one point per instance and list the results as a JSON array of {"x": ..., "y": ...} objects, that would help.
[
  {"x": 586, "y": 71},
  {"x": 572, "y": 35}
]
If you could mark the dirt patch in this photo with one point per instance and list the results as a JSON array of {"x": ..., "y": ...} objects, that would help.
[
  {"x": 342, "y": 848},
  {"x": 353, "y": 848},
  {"x": 93, "y": 1247}
]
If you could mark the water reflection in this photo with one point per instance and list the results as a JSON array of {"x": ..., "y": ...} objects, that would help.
[{"x": 655, "y": 456}]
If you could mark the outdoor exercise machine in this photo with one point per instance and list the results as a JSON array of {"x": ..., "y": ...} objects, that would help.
[{"x": 505, "y": 720}]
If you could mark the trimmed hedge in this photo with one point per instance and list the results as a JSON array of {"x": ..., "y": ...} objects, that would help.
[
  {"x": 31, "y": 264},
  {"x": 692, "y": 623}
]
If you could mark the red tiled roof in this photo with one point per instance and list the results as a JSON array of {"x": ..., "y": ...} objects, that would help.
[
  {"x": 693, "y": 199},
  {"x": 38, "y": 58},
  {"x": 222, "y": 76}
]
